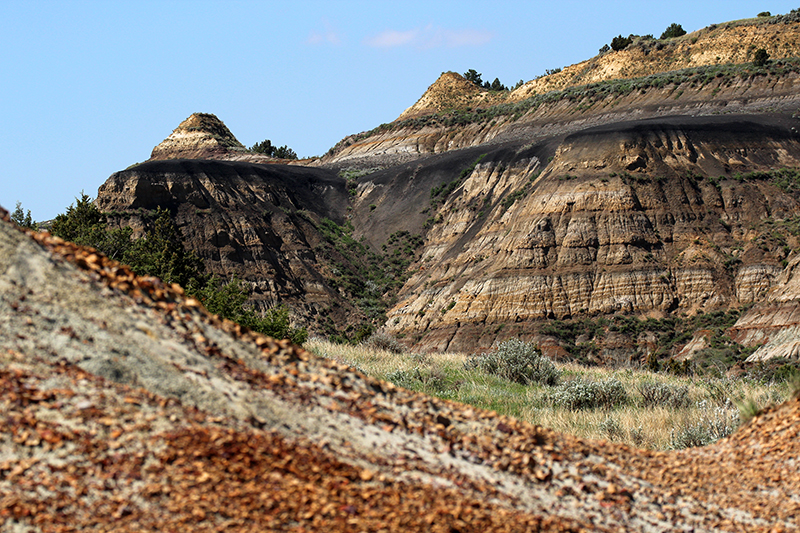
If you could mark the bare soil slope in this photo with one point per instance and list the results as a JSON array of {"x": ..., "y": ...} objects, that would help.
[{"x": 127, "y": 408}]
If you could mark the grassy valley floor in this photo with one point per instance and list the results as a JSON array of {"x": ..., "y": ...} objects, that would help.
[{"x": 632, "y": 406}]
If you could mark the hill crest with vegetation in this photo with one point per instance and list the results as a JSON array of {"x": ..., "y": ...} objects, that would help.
[{"x": 638, "y": 56}]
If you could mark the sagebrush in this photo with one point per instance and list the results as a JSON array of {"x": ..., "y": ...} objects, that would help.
[{"x": 517, "y": 361}]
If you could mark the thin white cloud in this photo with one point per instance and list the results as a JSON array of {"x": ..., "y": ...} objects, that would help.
[
  {"x": 429, "y": 37},
  {"x": 326, "y": 36},
  {"x": 392, "y": 38}
]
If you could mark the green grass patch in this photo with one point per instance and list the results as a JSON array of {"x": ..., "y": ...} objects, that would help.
[{"x": 631, "y": 405}]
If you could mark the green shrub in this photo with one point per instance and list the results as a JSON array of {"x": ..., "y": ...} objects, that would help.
[
  {"x": 517, "y": 361},
  {"x": 21, "y": 219},
  {"x": 673, "y": 30},
  {"x": 580, "y": 394},
  {"x": 281, "y": 152},
  {"x": 473, "y": 76},
  {"x": 760, "y": 58},
  {"x": 620, "y": 43}
]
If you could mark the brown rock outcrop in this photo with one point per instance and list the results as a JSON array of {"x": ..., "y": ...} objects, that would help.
[
  {"x": 518, "y": 242},
  {"x": 201, "y": 136},
  {"x": 773, "y": 323},
  {"x": 256, "y": 222}
]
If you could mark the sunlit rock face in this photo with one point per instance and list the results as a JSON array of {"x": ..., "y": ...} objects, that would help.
[{"x": 643, "y": 218}]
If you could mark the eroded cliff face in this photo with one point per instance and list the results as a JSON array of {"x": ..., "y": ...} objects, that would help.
[
  {"x": 646, "y": 218},
  {"x": 631, "y": 197},
  {"x": 257, "y": 222},
  {"x": 773, "y": 324}
]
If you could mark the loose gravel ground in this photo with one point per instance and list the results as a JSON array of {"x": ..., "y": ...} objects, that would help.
[{"x": 126, "y": 407}]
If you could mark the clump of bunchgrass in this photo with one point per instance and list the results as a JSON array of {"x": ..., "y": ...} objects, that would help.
[
  {"x": 381, "y": 340},
  {"x": 663, "y": 395},
  {"x": 516, "y": 361},
  {"x": 404, "y": 378},
  {"x": 583, "y": 394},
  {"x": 709, "y": 426},
  {"x": 612, "y": 428}
]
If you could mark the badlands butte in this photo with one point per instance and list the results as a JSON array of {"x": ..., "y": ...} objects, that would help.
[{"x": 655, "y": 181}]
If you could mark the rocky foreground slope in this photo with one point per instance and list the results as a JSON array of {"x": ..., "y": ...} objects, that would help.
[{"x": 127, "y": 408}]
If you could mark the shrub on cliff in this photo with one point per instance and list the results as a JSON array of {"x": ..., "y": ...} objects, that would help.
[
  {"x": 21, "y": 219},
  {"x": 761, "y": 57},
  {"x": 672, "y": 31},
  {"x": 517, "y": 361},
  {"x": 620, "y": 43},
  {"x": 473, "y": 76},
  {"x": 228, "y": 300},
  {"x": 160, "y": 253},
  {"x": 281, "y": 152},
  {"x": 86, "y": 225}
]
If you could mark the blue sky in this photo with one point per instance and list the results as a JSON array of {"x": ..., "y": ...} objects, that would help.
[{"x": 90, "y": 87}]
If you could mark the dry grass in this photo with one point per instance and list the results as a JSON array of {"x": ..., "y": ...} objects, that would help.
[{"x": 712, "y": 407}]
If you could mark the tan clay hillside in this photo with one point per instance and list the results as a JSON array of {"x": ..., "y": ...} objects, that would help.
[
  {"x": 452, "y": 91},
  {"x": 733, "y": 42},
  {"x": 127, "y": 408}
]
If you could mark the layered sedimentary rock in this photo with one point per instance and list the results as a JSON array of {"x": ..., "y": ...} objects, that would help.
[
  {"x": 632, "y": 197},
  {"x": 590, "y": 233},
  {"x": 204, "y": 136},
  {"x": 773, "y": 323},
  {"x": 250, "y": 221},
  {"x": 201, "y": 136},
  {"x": 543, "y": 117}
]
